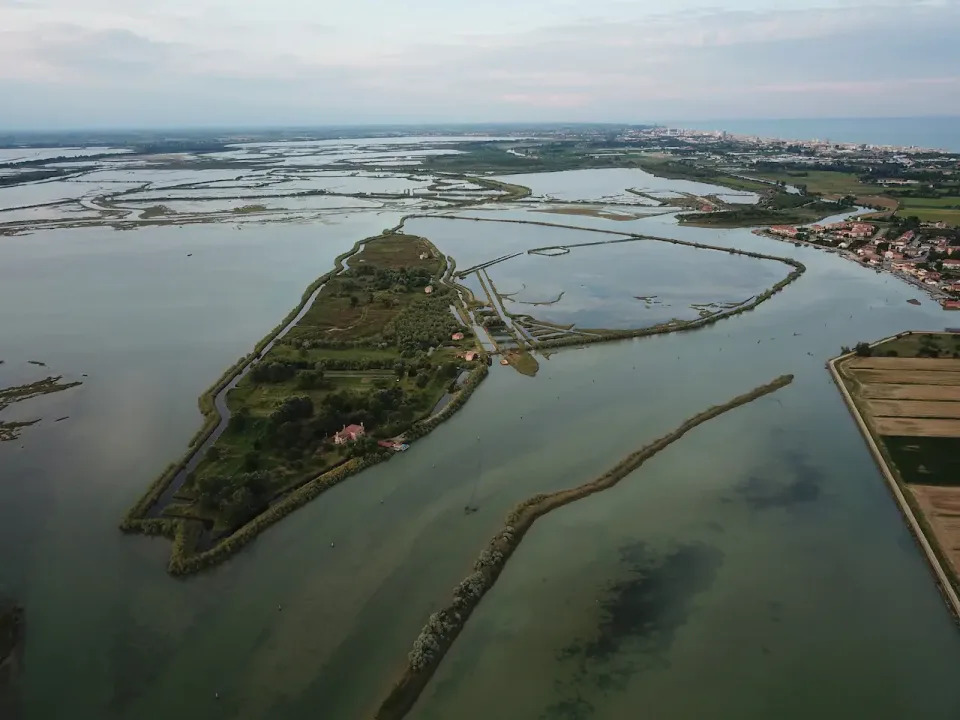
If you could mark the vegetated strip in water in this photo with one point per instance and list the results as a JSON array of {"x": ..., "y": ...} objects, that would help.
[{"x": 444, "y": 626}]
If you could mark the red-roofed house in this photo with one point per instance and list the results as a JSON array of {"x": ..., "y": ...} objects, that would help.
[
  {"x": 951, "y": 265},
  {"x": 349, "y": 434}
]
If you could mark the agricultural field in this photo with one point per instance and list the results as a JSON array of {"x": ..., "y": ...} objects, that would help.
[
  {"x": 825, "y": 182},
  {"x": 908, "y": 393}
]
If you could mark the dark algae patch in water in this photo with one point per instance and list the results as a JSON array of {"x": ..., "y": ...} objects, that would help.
[
  {"x": 769, "y": 491},
  {"x": 12, "y": 632},
  {"x": 637, "y": 622}
]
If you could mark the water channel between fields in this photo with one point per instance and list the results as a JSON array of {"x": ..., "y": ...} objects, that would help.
[{"x": 755, "y": 569}]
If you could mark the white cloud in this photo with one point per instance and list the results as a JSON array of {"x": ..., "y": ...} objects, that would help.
[{"x": 289, "y": 61}]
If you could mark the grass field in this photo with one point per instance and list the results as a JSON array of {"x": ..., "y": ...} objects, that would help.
[
  {"x": 826, "y": 182},
  {"x": 931, "y": 214},
  {"x": 950, "y": 201}
]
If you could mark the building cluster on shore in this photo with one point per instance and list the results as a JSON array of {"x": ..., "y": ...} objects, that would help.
[
  {"x": 715, "y": 145},
  {"x": 929, "y": 262}
]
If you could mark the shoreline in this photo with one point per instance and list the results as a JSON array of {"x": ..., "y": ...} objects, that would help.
[
  {"x": 931, "y": 292},
  {"x": 942, "y": 577}
]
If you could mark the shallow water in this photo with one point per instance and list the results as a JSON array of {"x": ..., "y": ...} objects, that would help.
[
  {"x": 609, "y": 184},
  {"x": 768, "y": 528}
]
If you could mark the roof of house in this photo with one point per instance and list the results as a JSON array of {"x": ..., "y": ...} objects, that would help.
[{"x": 352, "y": 430}]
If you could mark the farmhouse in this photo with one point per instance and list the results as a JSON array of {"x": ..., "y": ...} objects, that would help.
[{"x": 350, "y": 433}]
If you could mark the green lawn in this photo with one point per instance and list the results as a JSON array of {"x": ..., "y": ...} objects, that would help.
[
  {"x": 931, "y": 214},
  {"x": 825, "y": 182}
]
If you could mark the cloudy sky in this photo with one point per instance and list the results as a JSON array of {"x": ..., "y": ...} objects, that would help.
[{"x": 113, "y": 63}]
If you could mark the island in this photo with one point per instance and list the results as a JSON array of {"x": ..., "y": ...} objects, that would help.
[{"x": 377, "y": 355}]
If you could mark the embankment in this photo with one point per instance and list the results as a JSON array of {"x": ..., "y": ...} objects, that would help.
[
  {"x": 444, "y": 626},
  {"x": 921, "y": 531}
]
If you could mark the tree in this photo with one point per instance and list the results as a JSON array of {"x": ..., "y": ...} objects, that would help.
[
  {"x": 251, "y": 461},
  {"x": 354, "y": 301},
  {"x": 863, "y": 349}
]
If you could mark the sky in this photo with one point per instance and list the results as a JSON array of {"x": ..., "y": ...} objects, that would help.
[{"x": 158, "y": 63}]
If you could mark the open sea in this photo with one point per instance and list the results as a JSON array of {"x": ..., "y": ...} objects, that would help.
[{"x": 942, "y": 133}]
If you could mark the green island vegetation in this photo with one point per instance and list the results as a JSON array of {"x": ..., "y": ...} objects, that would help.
[
  {"x": 905, "y": 392},
  {"x": 443, "y": 626},
  {"x": 373, "y": 353},
  {"x": 10, "y": 430}
]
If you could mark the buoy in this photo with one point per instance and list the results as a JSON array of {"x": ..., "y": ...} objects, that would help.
[{"x": 331, "y": 544}]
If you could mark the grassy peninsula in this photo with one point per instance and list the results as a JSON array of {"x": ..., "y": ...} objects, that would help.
[{"x": 374, "y": 352}]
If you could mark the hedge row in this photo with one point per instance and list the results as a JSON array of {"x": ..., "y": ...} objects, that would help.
[{"x": 443, "y": 627}]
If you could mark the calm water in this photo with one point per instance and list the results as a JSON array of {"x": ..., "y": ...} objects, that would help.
[
  {"x": 759, "y": 561},
  {"x": 618, "y": 285},
  {"x": 609, "y": 184},
  {"x": 929, "y": 132}
]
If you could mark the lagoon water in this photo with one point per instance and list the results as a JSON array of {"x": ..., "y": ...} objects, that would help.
[{"x": 755, "y": 569}]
